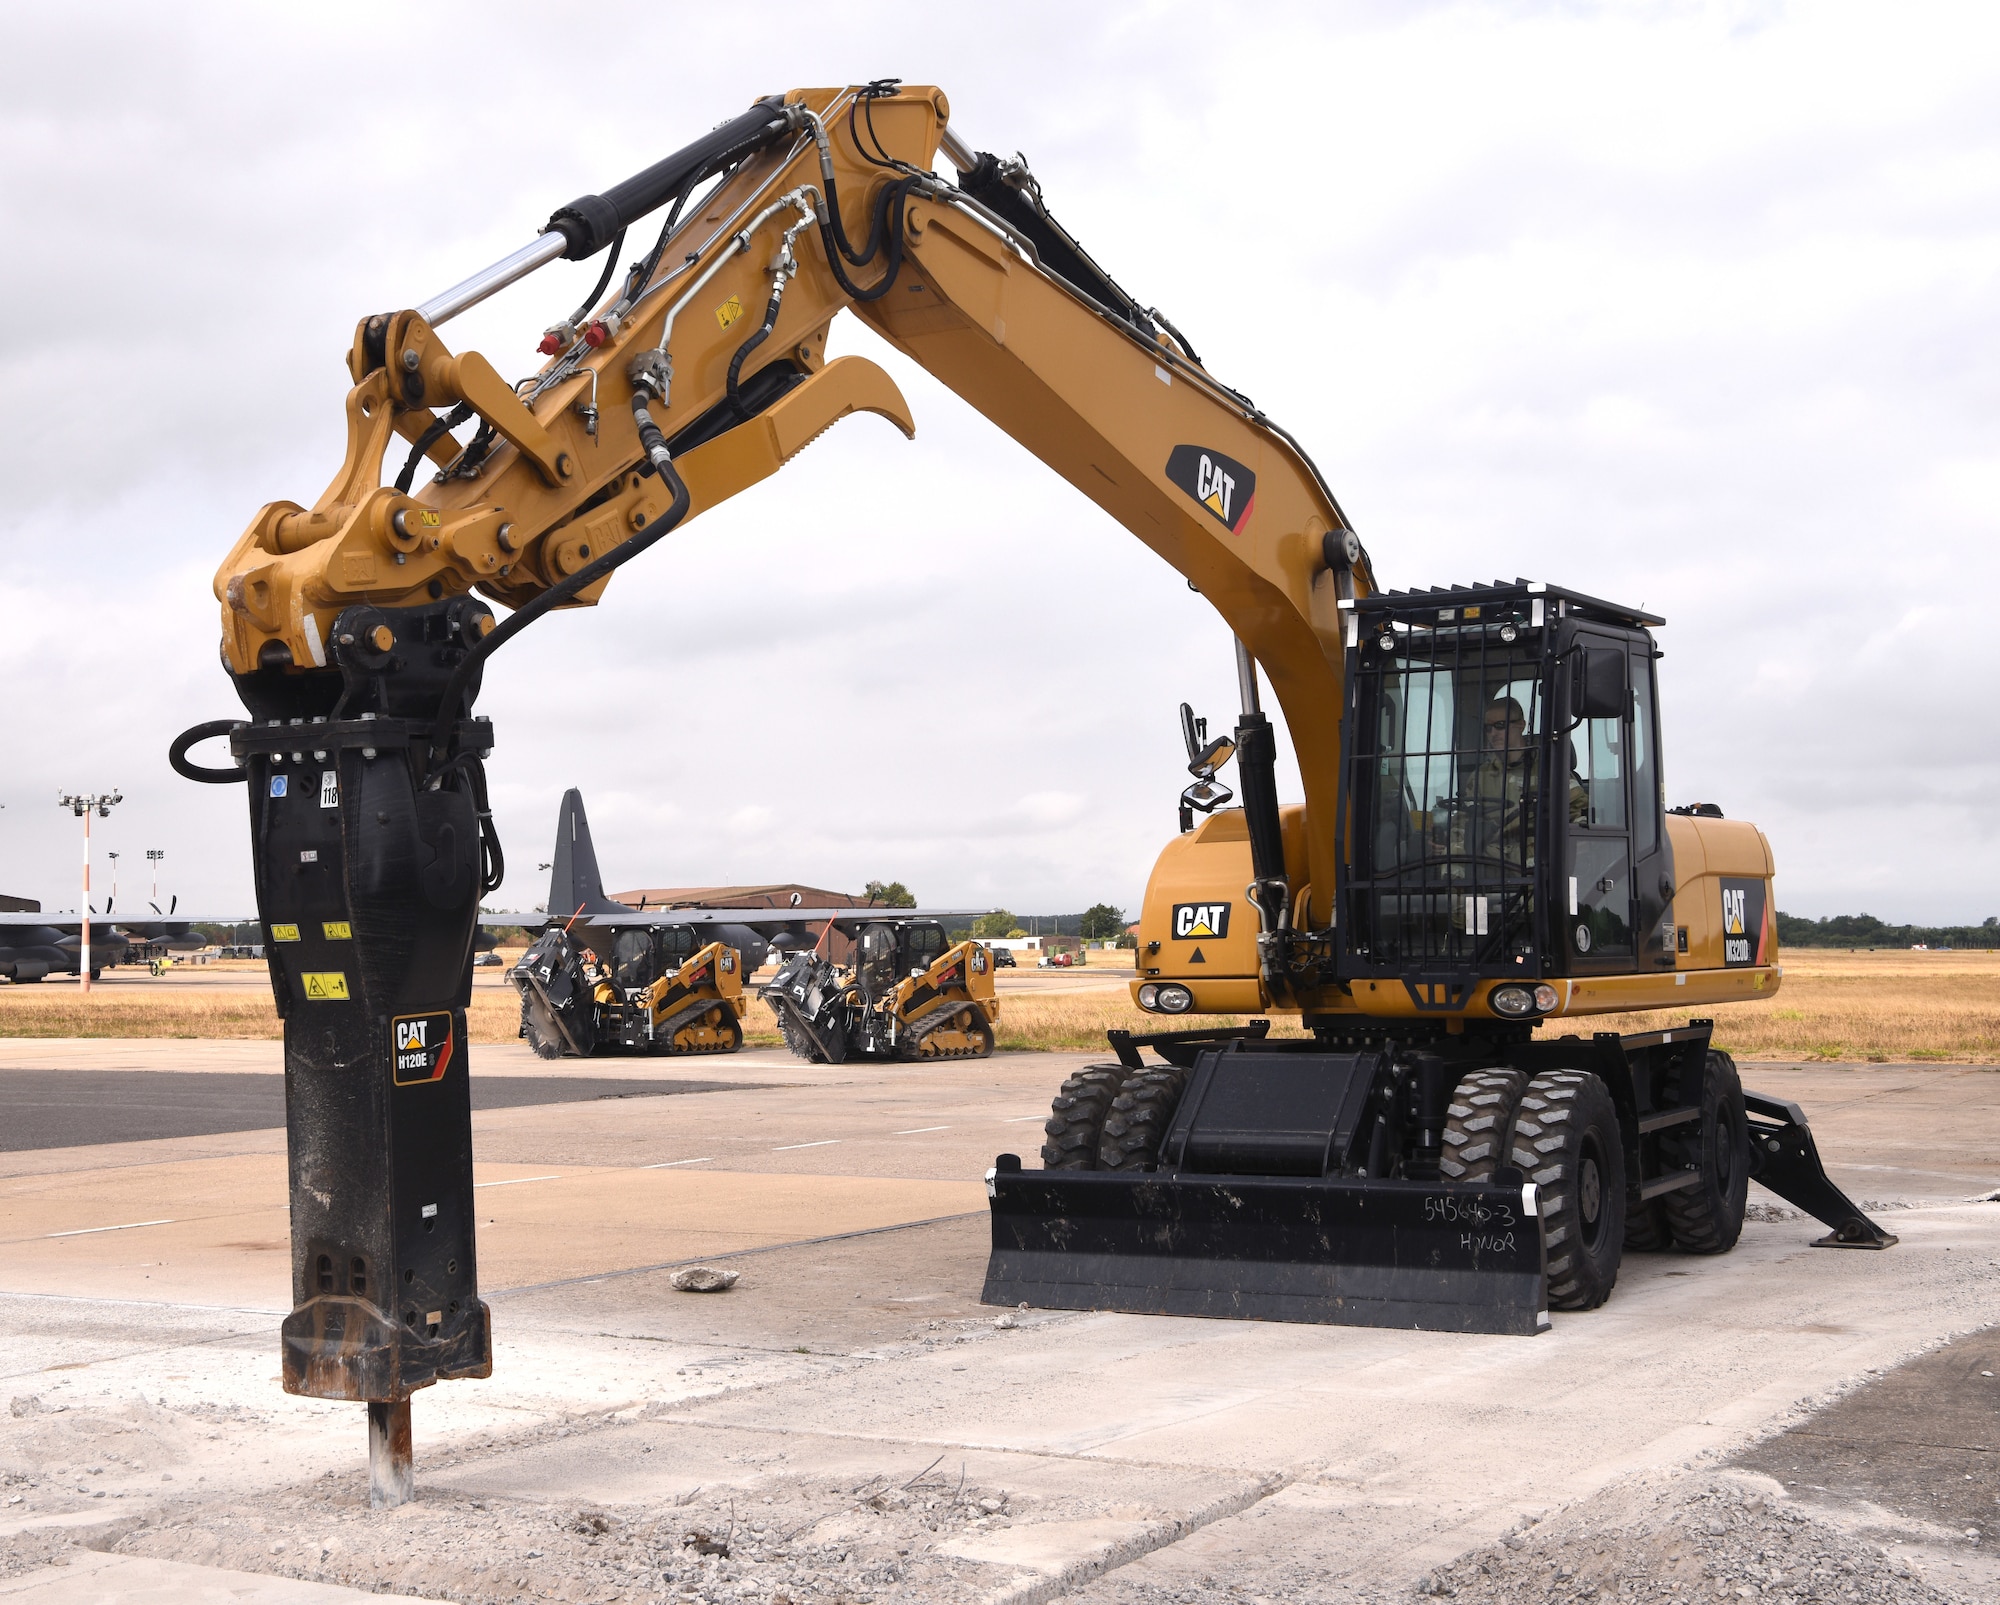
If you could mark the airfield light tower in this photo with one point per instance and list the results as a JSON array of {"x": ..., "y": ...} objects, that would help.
[
  {"x": 83, "y": 805},
  {"x": 111, "y": 902},
  {"x": 153, "y": 857}
]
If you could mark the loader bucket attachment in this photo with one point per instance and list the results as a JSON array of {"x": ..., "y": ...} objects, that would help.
[
  {"x": 1366, "y": 1252},
  {"x": 1784, "y": 1158}
]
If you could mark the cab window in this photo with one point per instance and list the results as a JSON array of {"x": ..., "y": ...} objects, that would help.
[{"x": 631, "y": 958}]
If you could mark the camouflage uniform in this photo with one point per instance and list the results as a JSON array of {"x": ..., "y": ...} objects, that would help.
[{"x": 1496, "y": 818}]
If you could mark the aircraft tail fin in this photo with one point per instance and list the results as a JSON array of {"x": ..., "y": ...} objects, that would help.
[{"x": 574, "y": 881}]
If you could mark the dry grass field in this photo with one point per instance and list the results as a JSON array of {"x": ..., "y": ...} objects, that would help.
[{"x": 1834, "y": 1005}]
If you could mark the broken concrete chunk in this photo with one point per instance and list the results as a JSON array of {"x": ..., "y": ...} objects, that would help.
[{"x": 704, "y": 1279}]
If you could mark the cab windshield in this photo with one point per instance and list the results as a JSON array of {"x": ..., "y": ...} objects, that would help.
[{"x": 1445, "y": 777}]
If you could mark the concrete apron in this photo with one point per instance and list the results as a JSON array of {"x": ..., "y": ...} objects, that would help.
[{"x": 1175, "y": 1448}]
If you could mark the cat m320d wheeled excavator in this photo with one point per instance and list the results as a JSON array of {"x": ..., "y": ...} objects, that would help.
[{"x": 1439, "y": 1147}]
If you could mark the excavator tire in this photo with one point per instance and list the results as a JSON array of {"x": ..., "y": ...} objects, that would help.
[
  {"x": 542, "y": 1033},
  {"x": 1076, "y": 1119},
  {"x": 1479, "y": 1123},
  {"x": 1708, "y": 1217},
  {"x": 1647, "y": 1230},
  {"x": 796, "y": 1039},
  {"x": 1139, "y": 1117},
  {"x": 1567, "y": 1142}
]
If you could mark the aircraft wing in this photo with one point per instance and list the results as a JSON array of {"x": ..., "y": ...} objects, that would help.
[{"x": 756, "y": 919}]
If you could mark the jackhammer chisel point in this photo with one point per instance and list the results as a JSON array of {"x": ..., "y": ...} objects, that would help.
[{"x": 392, "y": 1476}]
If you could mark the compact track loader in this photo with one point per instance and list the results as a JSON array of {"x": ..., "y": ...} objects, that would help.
[
  {"x": 608, "y": 978},
  {"x": 659, "y": 992},
  {"x": 912, "y": 993},
  {"x": 1440, "y": 1144}
]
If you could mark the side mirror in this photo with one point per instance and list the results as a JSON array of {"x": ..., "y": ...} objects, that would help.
[
  {"x": 1204, "y": 756},
  {"x": 1597, "y": 683}
]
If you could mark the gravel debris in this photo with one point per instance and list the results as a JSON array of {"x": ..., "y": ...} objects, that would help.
[{"x": 1707, "y": 1536}]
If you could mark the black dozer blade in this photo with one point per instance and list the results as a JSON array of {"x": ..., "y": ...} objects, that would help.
[
  {"x": 1262, "y": 1208},
  {"x": 1416, "y": 1255}
]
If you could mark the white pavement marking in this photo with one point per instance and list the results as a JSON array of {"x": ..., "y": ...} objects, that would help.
[
  {"x": 1015, "y": 1120},
  {"x": 824, "y": 1142},
  {"x": 130, "y": 1225},
  {"x": 918, "y": 1131},
  {"x": 669, "y": 1164},
  {"x": 514, "y": 1181}
]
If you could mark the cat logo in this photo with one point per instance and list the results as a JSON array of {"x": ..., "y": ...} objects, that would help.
[
  {"x": 423, "y": 1048},
  {"x": 1193, "y": 921},
  {"x": 1743, "y": 933},
  {"x": 1221, "y": 484}
]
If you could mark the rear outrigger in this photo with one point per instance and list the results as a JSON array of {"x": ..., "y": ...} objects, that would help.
[{"x": 1425, "y": 1154}]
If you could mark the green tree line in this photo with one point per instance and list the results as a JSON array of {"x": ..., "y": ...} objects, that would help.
[{"x": 1865, "y": 930}]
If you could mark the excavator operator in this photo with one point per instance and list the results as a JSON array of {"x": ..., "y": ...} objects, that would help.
[{"x": 1495, "y": 818}]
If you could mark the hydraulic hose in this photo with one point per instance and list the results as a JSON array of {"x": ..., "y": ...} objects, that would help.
[
  {"x": 743, "y": 351},
  {"x": 429, "y": 438},
  {"x": 575, "y": 319},
  {"x": 889, "y": 210},
  {"x": 591, "y": 572},
  {"x": 182, "y": 765}
]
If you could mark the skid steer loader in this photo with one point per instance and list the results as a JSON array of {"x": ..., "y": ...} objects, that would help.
[
  {"x": 911, "y": 993},
  {"x": 605, "y": 977}
]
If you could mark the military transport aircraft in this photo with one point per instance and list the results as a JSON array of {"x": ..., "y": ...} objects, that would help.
[{"x": 34, "y": 944}]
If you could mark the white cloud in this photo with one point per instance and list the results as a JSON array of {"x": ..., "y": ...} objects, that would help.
[{"x": 1689, "y": 305}]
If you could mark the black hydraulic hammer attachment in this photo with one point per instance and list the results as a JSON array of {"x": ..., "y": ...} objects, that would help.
[
  {"x": 372, "y": 844},
  {"x": 1270, "y": 1202},
  {"x": 369, "y": 892}
]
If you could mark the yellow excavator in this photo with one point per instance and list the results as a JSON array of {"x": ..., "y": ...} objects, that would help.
[{"x": 1483, "y": 859}]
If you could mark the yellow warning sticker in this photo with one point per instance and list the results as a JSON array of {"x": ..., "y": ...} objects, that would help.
[
  {"x": 337, "y": 930},
  {"x": 729, "y": 311},
  {"x": 325, "y": 986},
  {"x": 284, "y": 933}
]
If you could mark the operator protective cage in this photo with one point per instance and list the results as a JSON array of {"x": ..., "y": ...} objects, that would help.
[{"x": 1501, "y": 806}]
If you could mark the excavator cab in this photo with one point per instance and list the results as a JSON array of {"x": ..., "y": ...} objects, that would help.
[{"x": 1502, "y": 789}]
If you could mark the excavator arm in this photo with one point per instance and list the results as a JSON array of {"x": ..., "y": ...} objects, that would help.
[
  {"x": 824, "y": 201},
  {"x": 355, "y": 630}
]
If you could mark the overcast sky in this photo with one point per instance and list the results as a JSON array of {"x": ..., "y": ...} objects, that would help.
[{"x": 1689, "y": 306}]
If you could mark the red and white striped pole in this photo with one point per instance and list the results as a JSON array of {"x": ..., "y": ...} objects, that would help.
[{"x": 83, "y": 806}]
